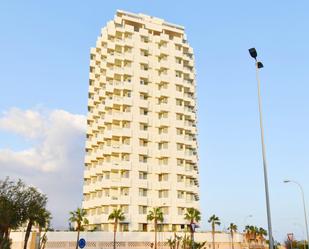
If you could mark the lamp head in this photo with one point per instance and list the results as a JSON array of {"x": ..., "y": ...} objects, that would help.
[
  {"x": 253, "y": 53},
  {"x": 260, "y": 65},
  {"x": 286, "y": 181}
]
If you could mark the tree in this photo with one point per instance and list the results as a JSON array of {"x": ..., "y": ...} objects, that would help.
[
  {"x": 175, "y": 242},
  {"x": 156, "y": 216},
  {"x": 117, "y": 215},
  {"x": 19, "y": 205},
  {"x": 44, "y": 223},
  {"x": 261, "y": 233},
  {"x": 12, "y": 206},
  {"x": 78, "y": 217},
  {"x": 233, "y": 229},
  {"x": 193, "y": 216},
  {"x": 36, "y": 212},
  {"x": 214, "y": 220}
]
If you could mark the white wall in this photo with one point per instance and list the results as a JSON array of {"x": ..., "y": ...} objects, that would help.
[{"x": 126, "y": 240}]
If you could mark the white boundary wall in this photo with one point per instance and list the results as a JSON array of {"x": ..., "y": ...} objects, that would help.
[{"x": 125, "y": 240}]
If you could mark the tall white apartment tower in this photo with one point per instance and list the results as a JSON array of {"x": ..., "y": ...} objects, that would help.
[{"x": 141, "y": 148}]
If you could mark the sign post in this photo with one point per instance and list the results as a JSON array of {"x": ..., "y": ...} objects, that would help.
[{"x": 82, "y": 243}]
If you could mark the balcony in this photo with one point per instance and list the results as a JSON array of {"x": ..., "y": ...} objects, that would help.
[
  {"x": 88, "y": 144},
  {"x": 143, "y": 118},
  {"x": 143, "y": 88},
  {"x": 143, "y": 150},
  {"x": 144, "y": 73},
  {"x": 128, "y": 56},
  {"x": 122, "y": 116},
  {"x": 91, "y": 102},
  {"x": 164, "y": 77},
  {"x": 164, "y": 122},
  {"x": 143, "y": 103},
  {"x": 143, "y": 134},
  {"x": 87, "y": 173},
  {"x": 164, "y": 50},
  {"x": 109, "y": 88},
  {"x": 117, "y": 165},
  {"x": 119, "y": 200},
  {"x": 143, "y": 200},
  {"x": 164, "y": 137},
  {"x": 163, "y": 153}
]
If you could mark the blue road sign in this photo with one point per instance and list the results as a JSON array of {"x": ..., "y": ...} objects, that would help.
[{"x": 82, "y": 243}]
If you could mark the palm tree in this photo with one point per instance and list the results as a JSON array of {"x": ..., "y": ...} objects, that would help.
[
  {"x": 193, "y": 216},
  {"x": 36, "y": 212},
  {"x": 117, "y": 215},
  {"x": 214, "y": 220},
  {"x": 261, "y": 233},
  {"x": 156, "y": 216},
  {"x": 252, "y": 233},
  {"x": 233, "y": 229},
  {"x": 43, "y": 222},
  {"x": 78, "y": 217}
]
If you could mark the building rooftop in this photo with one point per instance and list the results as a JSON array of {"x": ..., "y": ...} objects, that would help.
[{"x": 149, "y": 19}]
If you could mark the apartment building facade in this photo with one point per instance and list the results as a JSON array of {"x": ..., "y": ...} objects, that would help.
[{"x": 141, "y": 147}]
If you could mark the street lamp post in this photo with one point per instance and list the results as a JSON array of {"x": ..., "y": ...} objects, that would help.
[
  {"x": 259, "y": 65},
  {"x": 304, "y": 205}
]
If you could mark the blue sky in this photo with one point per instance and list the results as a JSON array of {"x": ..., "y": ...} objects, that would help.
[{"x": 44, "y": 48}]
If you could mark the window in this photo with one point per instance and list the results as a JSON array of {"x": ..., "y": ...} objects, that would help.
[
  {"x": 124, "y": 191},
  {"x": 179, "y": 102},
  {"x": 126, "y": 108},
  {"x": 105, "y": 209},
  {"x": 143, "y": 81},
  {"x": 144, "y": 67},
  {"x": 125, "y": 124},
  {"x": 142, "y": 158},
  {"x": 142, "y": 209},
  {"x": 124, "y": 226},
  {"x": 144, "y": 52},
  {"x": 107, "y": 175},
  {"x": 143, "y": 111},
  {"x": 180, "y": 146},
  {"x": 179, "y": 116},
  {"x": 144, "y": 39},
  {"x": 142, "y": 227},
  {"x": 125, "y": 157},
  {"x": 179, "y": 131},
  {"x": 125, "y": 174},
  {"x": 163, "y": 177},
  {"x": 163, "y": 193},
  {"x": 163, "y": 100},
  {"x": 142, "y": 175},
  {"x": 162, "y": 85},
  {"x": 163, "y": 130},
  {"x": 178, "y": 47},
  {"x": 105, "y": 192},
  {"x": 143, "y": 192},
  {"x": 178, "y": 60},
  {"x": 143, "y": 126},
  {"x": 180, "y": 194},
  {"x": 143, "y": 142},
  {"x": 163, "y": 161},
  {"x": 162, "y": 145},
  {"x": 162, "y": 115},
  {"x": 178, "y": 74},
  {"x": 181, "y": 210},
  {"x": 143, "y": 96},
  {"x": 165, "y": 210},
  {"x": 180, "y": 178},
  {"x": 126, "y": 140}
]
